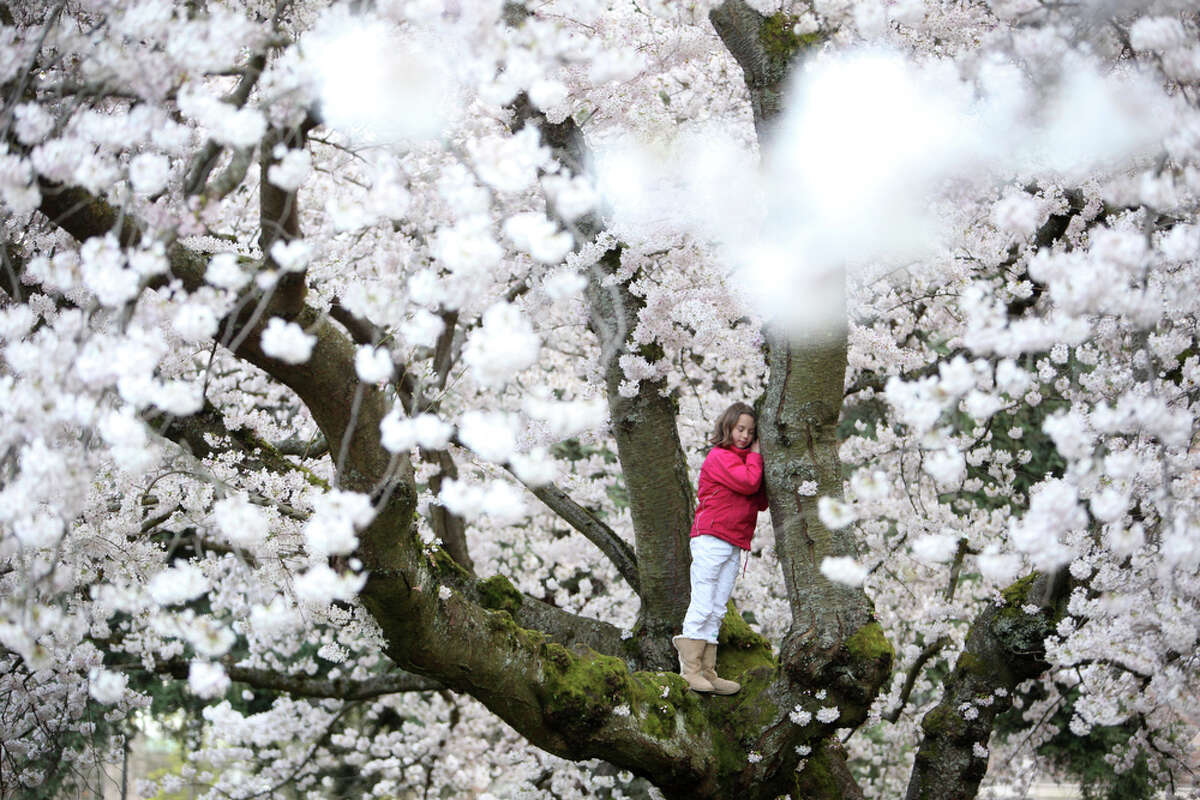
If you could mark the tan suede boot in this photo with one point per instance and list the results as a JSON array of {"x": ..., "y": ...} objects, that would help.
[
  {"x": 690, "y": 652},
  {"x": 708, "y": 670}
]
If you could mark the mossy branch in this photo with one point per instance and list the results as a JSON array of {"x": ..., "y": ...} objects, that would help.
[{"x": 1005, "y": 646}]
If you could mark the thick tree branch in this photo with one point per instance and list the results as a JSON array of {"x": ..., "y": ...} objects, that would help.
[
  {"x": 1005, "y": 646},
  {"x": 279, "y": 216},
  {"x": 199, "y": 429},
  {"x": 393, "y": 682},
  {"x": 765, "y": 48}
]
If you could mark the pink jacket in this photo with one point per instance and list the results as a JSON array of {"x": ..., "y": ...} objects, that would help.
[{"x": 731, "y": 494}]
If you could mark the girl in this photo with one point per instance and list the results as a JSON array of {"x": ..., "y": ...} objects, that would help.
[{"x": 730, "y": 496}]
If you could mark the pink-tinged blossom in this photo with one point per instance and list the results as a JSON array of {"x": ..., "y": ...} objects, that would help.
[
  {"x": 828, "y": 714},
  {"x": 105, "y": 272},
  {"x": 1159, "y": 34},
  {"x": 179, "y": 398},
  {"x": 1123, "y": 540},
  {"x": 178, "y": 584},
  {"x": 563, "y": 284},
  {"x": 1110, "y": 504},
  {"x": 1070, "y": 433},
  {"x": 914, "y": 402},
  {"x": 149, "y": 261},
  {"x": 18, "y": 189},
  {"x": 38, "y": 530},
  {"x": 425, "y": 288},
  {"x": 498, "y": 500},
  {"x": 287, "y": 341},
  {"x": 936, "y": 548},
  {"x": 388, "y": 198},
  {"x": 999, "y": 568},
  {"x": 208, "y": 637},
  {"x": 615, "y": 65},
  {"x": 240, "y": 522},
  {"x": 422, "y": 329},
  {"x": 291, "y": 171},
  {"x": 491, "y": 434},
  {"x": 800, "y": 716},
  {"x": 32, "y": 123},
  {"x": 565, "y": 419},
  {"x": 373, "y": 364},
  {"x": 320, "y": 585},
  {"x": 207, "y": 680},
  {"x": 1019, "y": 214},
  {"x": 149, "y": 172},
  {"x": 224, "y": 273},
  {"x": 378, "y": 83},
  {"x": 227, "y": 124},
  {"x": 533, "y": 233},
  {"x": 502, "y": 346},
  {"x": 947, "y": 467},
  {"x": 835, "y": 513},
  {"x": 510, "y": 163},
  {"x": 467, "y": 247},
  {"x": 1054, "y": 511},
  {"x": 338, "y": 515},
  {"x": 535, "y": 468},
  {"x": 844, "y": 570},
  {"x": 291, "y": 256},
  {"x": 106, "y": 686},
  {"x": 572, "y": 196},
  {"x": 867, "y": 485},
  {"x": 195, "y": 322}
]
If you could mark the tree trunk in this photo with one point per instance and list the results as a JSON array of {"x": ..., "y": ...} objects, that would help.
[{"x": 653, "y": 465}]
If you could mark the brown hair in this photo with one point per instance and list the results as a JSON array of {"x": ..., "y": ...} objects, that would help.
[{"x": 722, "y": 435}]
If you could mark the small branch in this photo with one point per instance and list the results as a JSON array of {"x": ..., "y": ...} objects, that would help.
[
  {"x": 206, "y": 159},
  {"x": 313, "y": 447},
  {"x": 196, "y": 431},
  {"x": 914, "y": 671},
  {"x": 955, "y": 569},
  {"x": 362, "y": 331},
  {"x": 443, "y": 353},
  {"x": 232, "y": 176},
  {"x": 596, "y": 532}
]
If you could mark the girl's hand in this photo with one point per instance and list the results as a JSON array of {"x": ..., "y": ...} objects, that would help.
[{"x": 754, "y": 446}]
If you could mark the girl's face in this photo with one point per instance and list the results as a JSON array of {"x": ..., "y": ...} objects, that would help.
[{"x": 743, "y": 431}]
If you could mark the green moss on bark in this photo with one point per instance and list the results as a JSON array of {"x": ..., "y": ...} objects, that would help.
[
  {"x": 498, "y": 594},
  {"x": 446, "y": 567},
  {"x": 780, "y": 40},
  {"x": 582, "y": 690},
  {"x": 869, "y": 644},
  {"x": 740, "y": 649},
  {"x": 1017, "y": 594},
  {"x": 817, "y": 779}
]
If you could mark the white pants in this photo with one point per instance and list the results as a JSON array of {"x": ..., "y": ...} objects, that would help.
[{"x": 714, "y": 567}]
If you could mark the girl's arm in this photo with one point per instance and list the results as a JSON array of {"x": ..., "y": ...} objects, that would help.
[{"x": 728, "y": 470}]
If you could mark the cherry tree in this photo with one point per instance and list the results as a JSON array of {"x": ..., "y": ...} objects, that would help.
[{"x": 357, "y": 361}]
